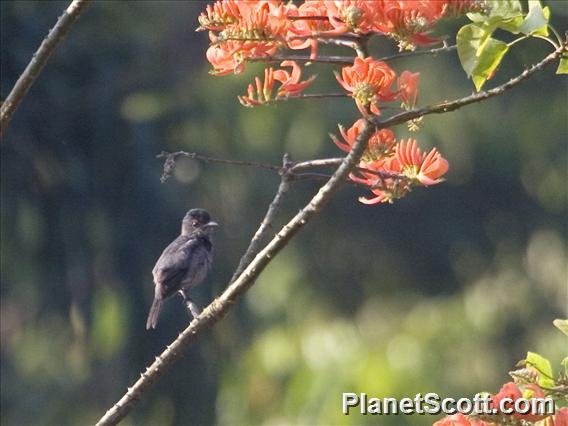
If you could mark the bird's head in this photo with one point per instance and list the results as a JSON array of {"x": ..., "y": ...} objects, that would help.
[{"x": 197, "y": 219}]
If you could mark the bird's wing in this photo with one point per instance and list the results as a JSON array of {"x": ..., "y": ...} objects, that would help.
[
  {"x": 199, "y": 259},
  {"x": 170, "y": 272}
]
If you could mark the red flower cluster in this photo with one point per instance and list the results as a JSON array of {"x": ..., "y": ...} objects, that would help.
[
  {"x": 290, "y": 85},
  {"x": 390, "y": 168},
  {"x": 512, "y": 391},
  {"x": 240, "y": 30},
  {"x": 370, "y": 81},
  {"x": 243, "y": 29}
]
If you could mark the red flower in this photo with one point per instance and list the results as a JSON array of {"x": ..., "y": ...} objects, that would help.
[
  {"x": 261, "y": 21},
  {"x": 356, "y": 16},
  {"x": 427, "y": 169},
  {"x": 248, "y": 29},
  {"x": 217, "y": 16},
  {"x": 368, "y": 81},
  {"x": 290, "y": 85},
  {"x": 379, "y": 146},
  {"x": 389, "y": 169},
  {"x": 531, "y": 391},
  {"x": 512, "y": 391},
  {"x": 407, "y": 85},
  {"x": 508, "y": 390},
  {"x": 307, "y": 27},
  {"x": 408, "y": 20},
  {"x": 384, "y": 181},
  {"x": 230, "y": 56}
]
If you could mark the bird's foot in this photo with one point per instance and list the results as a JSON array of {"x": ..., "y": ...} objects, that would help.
[
  {"x": 190, "y": 305},
  {"x": 193, "y": 308}
]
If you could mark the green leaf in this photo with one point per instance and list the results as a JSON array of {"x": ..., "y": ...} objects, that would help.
[
  {"x": 564, "y": 363},
  {"x": 544, "y": 30},
  {"x": 562, "y": 69},
  {"x": 469, "y": 39},
  {"x": 490, "y": 56},
  {"x": 536, "y": 20},
  {"x": 479, "y": 54},
  {"x": 562, "y": 324},
  {"x": 544, "y": 368}
]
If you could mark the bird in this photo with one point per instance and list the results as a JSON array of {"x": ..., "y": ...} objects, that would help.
[{"x": 183, "y": 264}]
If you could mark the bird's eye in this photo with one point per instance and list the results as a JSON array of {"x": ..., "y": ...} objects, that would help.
[{"x": 194, "y": 223}]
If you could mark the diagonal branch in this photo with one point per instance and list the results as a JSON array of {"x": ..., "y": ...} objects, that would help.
[
  {"x": 476, "y": 97},
  {"x": 266, "y": 224},
  {"x": 220, "y": 306},
  {"x": 39, "y": 59}
]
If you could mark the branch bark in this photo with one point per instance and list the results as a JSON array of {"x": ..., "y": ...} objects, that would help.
[
  {"x": 266, "y": 224},
  {"x": 39, "y": 59}
]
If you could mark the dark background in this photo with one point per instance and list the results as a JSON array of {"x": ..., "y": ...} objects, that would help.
[{"x": 441, "y": 292}]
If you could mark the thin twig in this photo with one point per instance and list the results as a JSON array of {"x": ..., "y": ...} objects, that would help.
[
  {"x": 266, "y": 225},
  {"x": 380, "y": 173},
  {"x": 323, "y": 36},
  {"x": 434, "y": 51},
  {"x": 347, "y": 60},
  {"x": 291, "y": 169},
  {"x": 220, "y": 306},
  {"x": 361, "y": 45},
  {"x": 308, "y": 18},
  {"x": 39, "y": 59},
  {"x": 318, "y": 96},
  {"x": 171, "y": 157},
  {"x": 347, "y": 40},
  {"x": 322, "y": 162},
  {"x": 311, "y": 175},
  {"x": 339, "y": 60}
]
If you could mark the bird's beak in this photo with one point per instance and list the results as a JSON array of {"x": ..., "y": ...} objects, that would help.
[{"x": 211, "y": 225}]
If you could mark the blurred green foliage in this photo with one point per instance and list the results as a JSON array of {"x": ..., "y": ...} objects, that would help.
[{"x": 441, "y": 292}]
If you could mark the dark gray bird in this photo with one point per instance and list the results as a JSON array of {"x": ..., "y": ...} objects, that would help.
[{"x": 184, "y": 263}]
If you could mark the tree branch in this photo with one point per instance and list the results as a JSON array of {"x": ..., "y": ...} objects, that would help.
[
  {"x": 171, "y": 157},
  {"x": 348, "y": 60},
  {"x": 476, "y": 97},
  {"x": 39, "y": 59},
  {"x": 220, "y": 306},
  {"x": 266, "y": 224},
  {"x": 339, "y": 60},
  {"x": 434, "y": 52}
]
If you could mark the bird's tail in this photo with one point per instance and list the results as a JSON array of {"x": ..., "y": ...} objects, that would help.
[{"x": 154, "y": 313}]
